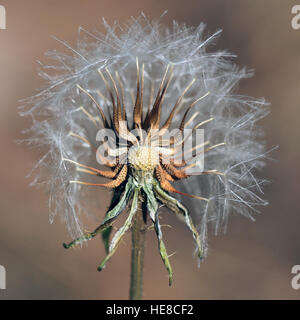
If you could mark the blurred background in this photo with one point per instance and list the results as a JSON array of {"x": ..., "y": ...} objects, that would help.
[{"x": 252, "y": 261}]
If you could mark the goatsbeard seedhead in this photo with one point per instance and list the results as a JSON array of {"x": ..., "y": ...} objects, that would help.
[{"x": 148, "y": 78}]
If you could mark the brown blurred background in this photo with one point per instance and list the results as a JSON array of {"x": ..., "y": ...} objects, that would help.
[{"x": 253, "y": 261}]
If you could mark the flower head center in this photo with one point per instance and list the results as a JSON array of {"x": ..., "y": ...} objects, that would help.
[{"x": 143, "y": 158}]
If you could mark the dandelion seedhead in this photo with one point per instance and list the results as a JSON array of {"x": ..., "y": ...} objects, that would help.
[{"x": 108, "y": 111}]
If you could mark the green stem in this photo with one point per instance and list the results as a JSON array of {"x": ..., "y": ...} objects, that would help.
[{"x": 137, "y": 255}]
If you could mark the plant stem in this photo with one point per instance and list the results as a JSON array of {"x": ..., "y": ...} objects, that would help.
[{"x": 137, "y": 255}]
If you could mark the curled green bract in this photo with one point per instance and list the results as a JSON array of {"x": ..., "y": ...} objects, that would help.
[{"x": 146, "y": 190}]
